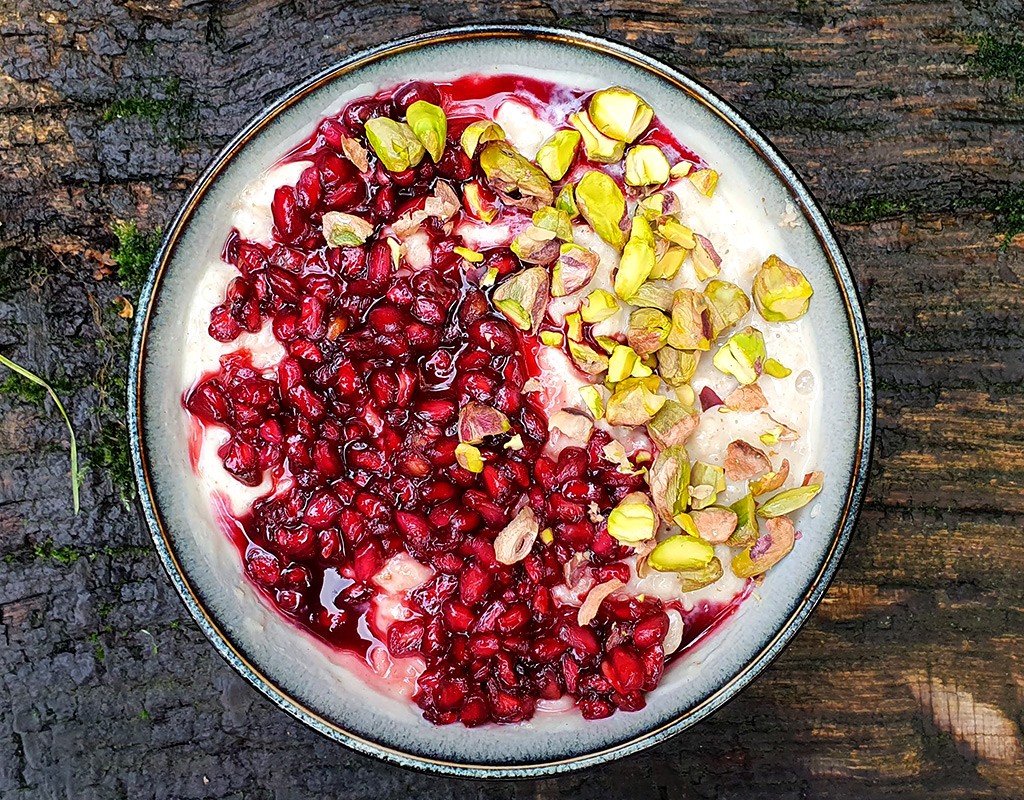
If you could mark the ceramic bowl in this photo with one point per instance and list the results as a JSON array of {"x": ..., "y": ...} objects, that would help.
[{"x": 299, "y": 674}]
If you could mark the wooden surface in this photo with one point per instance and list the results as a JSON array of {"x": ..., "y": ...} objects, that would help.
[{"x": 907, "y": 120}]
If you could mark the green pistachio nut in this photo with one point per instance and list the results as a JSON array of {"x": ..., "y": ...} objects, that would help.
[
  {"x": 677, "y": 367},
  {"x": 345, "y": 230},
  {"x": 516, "y": 180},
  {"x": 598, "y": 306},
  {"x": 552, "y": 338},
  {"x": 788, "y": 501},
  {"x": 742, "y": 356},
  {"x": 574, "y": 269},
  {"x": 621, "y": 364},
  {"x": 706, "y": 481},
  {"x": 523, "y": 298},
  {"x": 669, "y": 479},
  {"x": 646, "y": 165},
  {"x": 472, "y": 256},
  {"x": 704, "y": 181},
  {"x": 430, "y": 125},
  {"x": 574, "y": 326},
  {"x": 587, "y": 359},
  {"x": 706, "y": 261},
  {"x": 727, "y": 303},
  {"x": 535, "y": 245},
  {"x": 619, "y": 113},
  {"x": 478, "y": 421},
  {"x": 767, "y": 551},
  {"x": 593, "y": 400},
  {"x": 468, "y": 457},
  {"x": 598, "y": 147},
  {"x": 555, "y": 220},
  {"x": 747, "y": 528},
  {"x": 634, "y": 402},
  {"x": 691, "y": 321},
  {"x": 603, "y": 206},
  {"x": 395, "y": 143},
  {"x": 668, "y": 259},
  {"x": 637, "y": 260},
  {"x": 654, "y": 294},
  {"x": 781, "y": 292},
  {"x": 566, "y": 201},
  {"x": 480, "y": 133},
  {"x": 633, "y": 519},
  {"x": 556, "y": 154},
  {"x": 477, "y": 203},
  {"x": 673, "y": 424},
  {"x": 681, "y": 553},
  {"x": 690, "y": 580},
  {"x": 672, "y": 230},
  {"x": 648, "y": 331}
]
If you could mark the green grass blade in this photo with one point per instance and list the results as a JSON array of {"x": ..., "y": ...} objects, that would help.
[{"x": 60, "y": 407}]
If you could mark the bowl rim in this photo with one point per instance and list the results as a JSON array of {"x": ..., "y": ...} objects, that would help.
[{"x": 802, "y": 608}]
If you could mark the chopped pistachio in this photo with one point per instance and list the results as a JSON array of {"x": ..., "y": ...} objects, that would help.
[
  {"x": 776, "y": 369},
  {"x": 592, "y": 399},
  {"x": 706, "y": 481},
  {"x": 742, "y": 356},
  {"x": 587, "y": 358},
  {"x": 516, "y": 540},
  {"x": 547, "y": 536},
  {"x": 767, "y": 551},
  {"x": 616, "y": 454},
  {"x": 516, "y": 180},
  {"x": 515, "y": 442},
  {"x": 746, "y": 398},
  {"x": 566, "y": 201},
  {"x": 574, "y": 326},
  {"x": 395, "y": 247},
  {"x": 646, "y": 165},
  {"x": 693, "y": 579},
  {"x": 668, "y": 259},
  {"x": 468, "y": 457},
  {"x": 682, "y": 169},
  {"x": 672, "y": 230},
  {"x": 747, "y": 528},
  {"x": 788, "y": 501},
  {"x": 523, "y": 298},
  {"x": 744, "y": 461},
  {"x": 619, "y": 113},
  {"x": 395, "y": 143},
  {"x": 781, "y": 292},
  {"x": 598, "y": 306},
  {"x": 430, "y": 125},
  {"x": 472, "y": 256},
  {"x": 535, "y": 245},
  {"x": 556, "y": 154},
  {"x": 681, "y": 553},
  {"x": 705, "y": 181},
  {"x": 443, "y": 203},
  {"x": 634, "y": 402},
  {"x": 478, "y": 421},
  {"x": 633, "y": 519},
  {"x": 686, "y": 523},
  {"x": 673, "y": 424},
  {"x": 480, "y": 133},
  {"x": 355, "y": 153},
  {"x": 637, "y": 260},
  {"x": 603, "y": 206},
  {"x": 607, "y": 343},
  {"x": 345, "y": 230},
  {"x": 598, "y": 147},
  {"x": 770, "y": 481},
  {"x": 727, "y": 303},
  {"x": 489, "y": 278},
  {"x": 648, "y": 330},
  {"x": 655, "y": 207},
  {"x": 715, "y": 524},
  {"x": 555, "y": 220},
  {"x": 779, "y": 432},
  {"x": 706, "y": 261},
  {"x": 551, "y": 338},
  {"x": 654, "y": 294},
  {"x": 621, "y": 363},
  {"x": 677, "y": 367},
  {"x": 691, "y": 321},
  {"x": 574, "y": 424},
  {"x": 641, "y": 370},
  {"x": 574, "y": 269},
  {"x": 477, "y": 204},
  {"x": 686, "y": 395}
]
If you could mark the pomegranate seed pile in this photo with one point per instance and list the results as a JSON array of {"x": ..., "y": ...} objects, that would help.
[{"x": 356, "y": 428}]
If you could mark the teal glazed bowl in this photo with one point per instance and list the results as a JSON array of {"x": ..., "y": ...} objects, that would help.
[{"x": 298, "y": 673}]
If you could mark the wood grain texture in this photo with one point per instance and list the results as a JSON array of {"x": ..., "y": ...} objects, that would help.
[{"x": 908, "y": 681}]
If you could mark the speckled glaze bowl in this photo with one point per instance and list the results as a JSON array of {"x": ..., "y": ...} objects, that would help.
[{"x": 299, "y": 674}]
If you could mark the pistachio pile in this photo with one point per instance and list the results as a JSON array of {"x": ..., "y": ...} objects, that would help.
[{"x": 573, "y": 182}]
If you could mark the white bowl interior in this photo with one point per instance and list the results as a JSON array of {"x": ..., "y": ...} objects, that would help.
[{"x": 297, "y": 670}]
